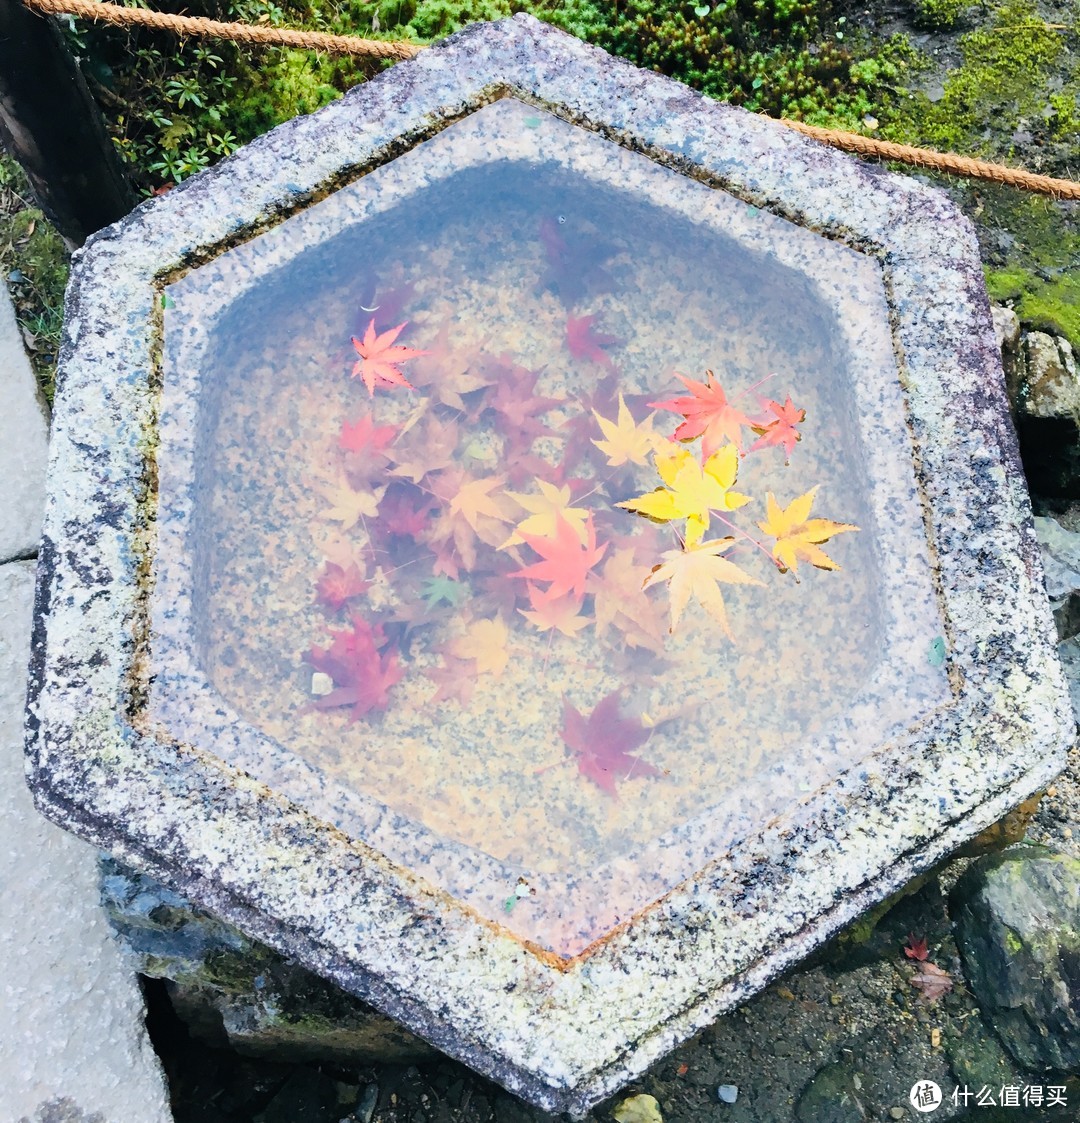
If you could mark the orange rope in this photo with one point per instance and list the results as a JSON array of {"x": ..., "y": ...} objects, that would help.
[
  {"x": 963, "y": 166},
  {"x": 241, "y": 32}
]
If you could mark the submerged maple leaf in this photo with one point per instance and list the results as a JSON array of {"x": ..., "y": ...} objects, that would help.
[
  {"x": 379, "y": 358},
  {"x": 349, "y": 505},
  {"x": 574, "y": 262},
  {"x": 780, "y": 430},
  {"x": 694, "y": 490},
  {"x": 698, "y": 571},
  {"x": 584, "y": 342},
  {"x": 361, "y": 671},
  {"x": 932, "y": 980},
  {"x": 337, "y": 584},
  {"x": 484, "y": 641},
  {"x": 450, "y": 371},
  {"x": 545, "y": 510},
  {"x": 566, "y": 559},
  {"x": 707, "y": 414},
  {"x": 627, "y": 441},
  {"x": 617, "y": 602},
  {"x": 798, "y": 536},
  {"x": 603, "y": 744},
  {"x": 558, "y": 612}
]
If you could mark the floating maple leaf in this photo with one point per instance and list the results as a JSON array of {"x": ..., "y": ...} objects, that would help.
[
  {"x": 916, "y": 947},
  {"x": 546, "y": 509},
  {"x": 932, "y": 981},
  {"x": 337, "y": 584},
  {"x": 698, "y": 571},
  {"x": 566, "y": 559},
  {"x": 798, "y": 536},
  {"x": 379, "y": 358},
  {"x": 707, "y": 414},
  {"x": 584, "y": 342},
  {"x": 780, "y": 430},
  {"x": 361, "y": 671},
  {"x": 695, "y": 490},
  {"x": 554, "y": 612},
  {"x": 603, "y": 744},
  {"x": 626, "y": 441}
]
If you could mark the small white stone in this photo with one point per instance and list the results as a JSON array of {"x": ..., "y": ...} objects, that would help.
[
  {"x": 727, "y": 1093},
  {"x": 321, "y": 684}
]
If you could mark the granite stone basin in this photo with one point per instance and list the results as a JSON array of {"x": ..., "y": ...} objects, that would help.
[{"x": 368, "y": 441}]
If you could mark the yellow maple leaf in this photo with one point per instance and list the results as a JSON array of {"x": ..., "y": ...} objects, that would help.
[
  {"x": 348, "y": 506},
  {"x": 693, "y": 490},
  {"x": 698, "y": 571},
  {"x": 625, "y": 440},
  {"x": 797, "y": 535},
  {"x": 485, "y": 641},
  {"x": 474, "y": 498},
  {"x": 545, "y": 510}
]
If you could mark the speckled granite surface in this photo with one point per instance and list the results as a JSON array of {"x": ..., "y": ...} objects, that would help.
[{"x": 283, "y": 873}]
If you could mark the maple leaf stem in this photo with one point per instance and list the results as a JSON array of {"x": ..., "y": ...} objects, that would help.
[
  {"x": 760, "y": 382},
  {"x": 749, "y": 537}
]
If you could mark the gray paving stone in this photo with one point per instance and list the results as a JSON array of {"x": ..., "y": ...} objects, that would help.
[
  {"x": 24, "y": 437},
  {"x": 72, "y": 1040}
]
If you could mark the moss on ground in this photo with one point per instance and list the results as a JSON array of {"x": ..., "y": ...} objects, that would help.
[{"x": 35, "y": 261}]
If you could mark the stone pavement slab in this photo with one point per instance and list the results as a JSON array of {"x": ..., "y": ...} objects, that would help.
[
  {"x": 73, "y": 1045},
  {"x": 24, "y": 438}
]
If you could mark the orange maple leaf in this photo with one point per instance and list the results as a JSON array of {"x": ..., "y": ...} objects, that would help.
[
  {"x": 379, "y": 358},
  {"x": 567, "y": 560},
  {"x": 707, "y": 414},
  {"x": 617, "y": 602},
  {"x": 798, "y": 536},
  {"x": 485, "y": 641},
  {"x": 558, "y": 612},
  {"x": 780, "y": 429},
  {"x": 472, "y": 512}
]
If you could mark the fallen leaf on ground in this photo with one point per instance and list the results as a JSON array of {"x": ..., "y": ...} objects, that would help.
[
  {"x": 932, "y": 981},
  {"x": 916, "y": 947}
]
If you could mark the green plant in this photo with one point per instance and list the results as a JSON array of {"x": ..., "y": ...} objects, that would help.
[{"x": 35, "y": 263}]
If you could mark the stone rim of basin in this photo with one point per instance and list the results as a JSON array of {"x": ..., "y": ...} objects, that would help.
[{"x": 561, "y": 1033}]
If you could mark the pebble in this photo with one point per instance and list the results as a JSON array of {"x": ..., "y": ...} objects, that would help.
[
  {"x": 896, "y": 1113},
  {"x": 728, "y": 1093}
]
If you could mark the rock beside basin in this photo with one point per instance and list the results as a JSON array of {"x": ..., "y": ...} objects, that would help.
[
  {"x": 231, "y": 990},
  {"x": 1017, "y": 921}
]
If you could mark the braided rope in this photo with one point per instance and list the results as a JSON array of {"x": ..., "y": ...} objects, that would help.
[
  {"x": 963, "y": 166},
  {"x": 215, "y": 29}
]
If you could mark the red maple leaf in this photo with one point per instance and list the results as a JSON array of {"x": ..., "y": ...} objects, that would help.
[
  {"x": 602, "y": 744},
  {"x": 404, "y": 513},
  {"x": 455, "y": 680},
  {"x": 337, "y": 584},
  {"x": 916, "y": 948},
  {"x": 780, "y": 430},
  {"x": 515, "y": 400},
  {"x": 584, "y": 342},
  {"x": 707, "y": 414},
  {"x": 362, "y": 672},
  {"x": 366, "y": 447},
  {"x": 379, "y": 358},
  {"x": 567, "y": 561}
]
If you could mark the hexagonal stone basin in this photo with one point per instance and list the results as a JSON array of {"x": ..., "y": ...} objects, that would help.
[{"x": 425, "y": 604}]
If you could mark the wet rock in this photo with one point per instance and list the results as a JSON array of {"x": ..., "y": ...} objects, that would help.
[
  {"x": 306, "y": 1097},
  {"x": 1007, "y": 331},
  {"x": 833, "y": 1096},
  {"x": 1069, "y": 654},
  {"x": 230, "y": 990},
  {"x": 1017, "y": 920},
  {"x": 1052, "y": 388},
  {"x": 1061, "y": 568}
]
